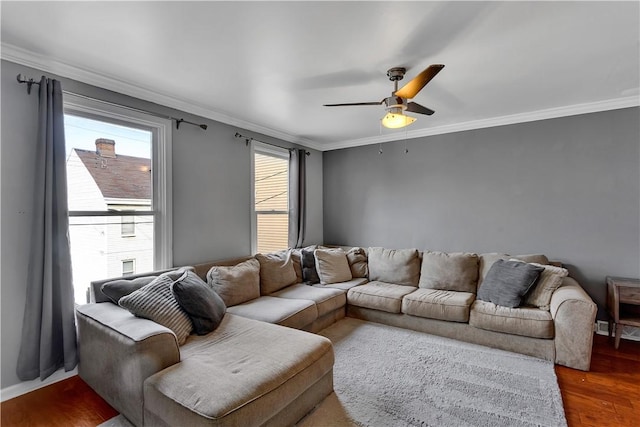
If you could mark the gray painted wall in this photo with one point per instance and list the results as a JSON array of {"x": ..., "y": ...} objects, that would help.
[
  {"x": 211, "y": 193},
  {"x": 568, "y": 188}
]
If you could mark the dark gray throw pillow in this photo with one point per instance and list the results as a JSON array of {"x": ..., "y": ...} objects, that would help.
[
  {"x": 116, "y": 289},
  {"x": 309, "y": 272},
  {"x": 203, "y": 305},
  {"x": 507, "y": 282}
]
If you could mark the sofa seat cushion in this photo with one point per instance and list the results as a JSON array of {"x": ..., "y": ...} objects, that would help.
[
  {"x": 379, "y": 296},
  {"x": 452, "y": 306},
  {"x": 525, "y": 321},
  {"x": 326, "y": 299},
  {"x": 295, "y": 313},
  {"x": 345, "y": 286},
  {"x": 243, "y": 373}
]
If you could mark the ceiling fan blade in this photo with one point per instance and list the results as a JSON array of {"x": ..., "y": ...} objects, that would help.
[
  {"x": 414, "y": 107},
  {"x": 411, "y": 89},
  {"x": 353, "y": 103}
]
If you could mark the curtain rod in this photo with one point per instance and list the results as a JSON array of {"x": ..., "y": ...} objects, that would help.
[
  {"x": 30, "y": 82},
  {"x": 248, "y": 139}
]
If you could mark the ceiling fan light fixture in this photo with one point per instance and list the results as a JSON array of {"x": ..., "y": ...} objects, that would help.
[{"x": 394, "y": 119}]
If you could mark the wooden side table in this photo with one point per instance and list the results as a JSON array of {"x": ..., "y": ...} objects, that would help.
[{"x": 622, "y": 295}]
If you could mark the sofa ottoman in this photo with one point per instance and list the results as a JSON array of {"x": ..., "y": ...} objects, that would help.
[{"x": 247, "y": 373}]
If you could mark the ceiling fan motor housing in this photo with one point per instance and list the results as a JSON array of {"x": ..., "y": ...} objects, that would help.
[{"x": 396, "y": 102}]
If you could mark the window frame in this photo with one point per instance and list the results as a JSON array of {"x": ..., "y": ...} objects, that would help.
[
  {"x": 161, "y": 166},
  {"x": 267, "y": 150}
]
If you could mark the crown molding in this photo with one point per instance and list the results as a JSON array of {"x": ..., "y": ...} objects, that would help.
[
  {"x": 95, "y": 78},
  {"x": 44, "y": 63},
  {"x": 549, "y": 113}
]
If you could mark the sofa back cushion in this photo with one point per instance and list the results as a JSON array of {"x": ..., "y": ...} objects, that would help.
[
  {"x": 296, "y": 257},
  {"x": 236, "y": 283},
  {"x": 357, "y": 258},
  {"x": 396, "y": 266},
  {"x": 276, "y": 271},
  {"x": 332, "y": 266},
  {"x": 119, "y": 288},
  {"x": 456, "y": 271},
  {"x": 487, "y": 260}
]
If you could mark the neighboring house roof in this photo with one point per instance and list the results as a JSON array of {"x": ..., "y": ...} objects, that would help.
[{"x": 119, "y": 177}]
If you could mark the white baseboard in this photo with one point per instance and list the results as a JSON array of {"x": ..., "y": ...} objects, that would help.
[
  {"x": 28, "y": 386},
  {"x": 628, "y": 332}
]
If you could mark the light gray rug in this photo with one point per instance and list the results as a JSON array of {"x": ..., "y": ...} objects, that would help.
[
  {"x": 386, "y": 376},
  {"x": 117, "y": 421}
]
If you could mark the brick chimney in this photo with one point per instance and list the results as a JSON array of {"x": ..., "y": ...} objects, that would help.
[{"x": 106, "y": 147}]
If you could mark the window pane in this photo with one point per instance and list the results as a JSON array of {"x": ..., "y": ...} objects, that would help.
[
  {"x": 273, "y": 232},
  {"x": 108, "y": 166},
  {"x": 98, "y": 249},
  {"x": 271, "y": 183},
  {"x": 108, "y": 169}
]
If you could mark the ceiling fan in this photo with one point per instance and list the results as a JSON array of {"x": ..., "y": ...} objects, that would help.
[{"x": 397, "y": 103}]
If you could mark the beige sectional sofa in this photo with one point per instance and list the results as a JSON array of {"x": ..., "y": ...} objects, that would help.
[{"x": 261, "y": 366}]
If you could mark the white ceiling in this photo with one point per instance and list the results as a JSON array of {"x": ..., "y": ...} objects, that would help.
[{"x": 269, "y": 66}]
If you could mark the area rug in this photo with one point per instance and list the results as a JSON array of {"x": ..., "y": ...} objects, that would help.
[
  {"x": 387, "y": 376},
  {"x": 117, "y": 421}
]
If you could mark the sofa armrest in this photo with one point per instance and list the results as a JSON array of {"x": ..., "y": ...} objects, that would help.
[
  {"x": 574, "y": 314},
  {"x": 118, "y": 351}
]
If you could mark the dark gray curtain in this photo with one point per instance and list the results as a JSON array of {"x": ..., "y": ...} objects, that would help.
[
  {"x": 297, "y": 197},
  {"x": 48, "y": 330}
]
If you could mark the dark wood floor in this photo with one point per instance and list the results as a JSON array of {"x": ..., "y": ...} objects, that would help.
[
  {"x": 608, "y": 395},
  {"x": 67, "y": 403}
]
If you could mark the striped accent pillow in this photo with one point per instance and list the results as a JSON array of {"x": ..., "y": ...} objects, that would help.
[{"x": 156, "y": 302}]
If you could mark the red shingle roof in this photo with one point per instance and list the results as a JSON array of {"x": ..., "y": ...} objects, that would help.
[{"x": 120, "y": 177}]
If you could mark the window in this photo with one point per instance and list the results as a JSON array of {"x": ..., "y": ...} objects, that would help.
[
  {"x": 128, "y": 267},
  {"x": 118, "y": 185},
  {"x": 270, "y": 219},
  {"x": 127, "y": 227}
]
